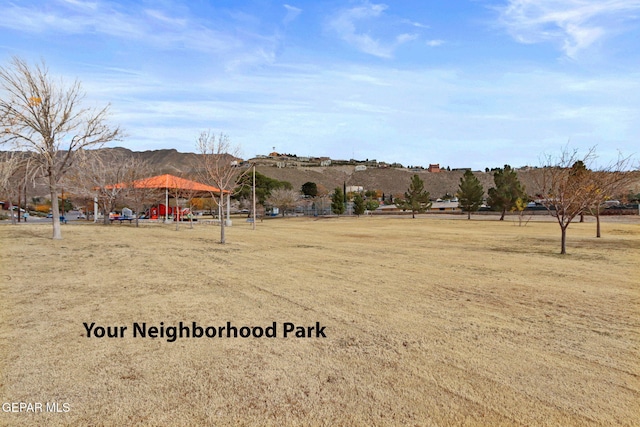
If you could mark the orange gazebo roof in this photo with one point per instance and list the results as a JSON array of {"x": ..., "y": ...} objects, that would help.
[{"x": 170, "y": 182}]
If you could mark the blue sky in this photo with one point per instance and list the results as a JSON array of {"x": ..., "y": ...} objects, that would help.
[{"x": 462, "y": 83}]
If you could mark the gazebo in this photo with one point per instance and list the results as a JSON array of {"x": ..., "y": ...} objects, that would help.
[{"x": 173, "y": 183}]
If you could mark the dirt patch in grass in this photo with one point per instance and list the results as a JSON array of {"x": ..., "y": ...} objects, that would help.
[{"x": 428, "y": 321}]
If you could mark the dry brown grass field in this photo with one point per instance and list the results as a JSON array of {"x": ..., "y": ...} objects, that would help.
[{"x": 428, "y": 322}]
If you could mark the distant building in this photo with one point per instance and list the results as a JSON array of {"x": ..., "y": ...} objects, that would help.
[
  {"x": 435, "y": 168},
  {"x": 445, "y": 205}
]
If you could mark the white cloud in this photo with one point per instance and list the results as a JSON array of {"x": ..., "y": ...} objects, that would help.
[
  {"x": 292, "y": 13},
  {"x": 435, "y": 43},
  {"x": 507, "y": 117},
  {"x": 154, "y": 28},
  {"x": 160, "y": 16},
  {"x": 415, "y": 24},
  {"x": 368, "y": 79},
  {"x": 347, "y": 22},
  {"x": 403, "y": 38},
  {"x": 575, "y": 24}
]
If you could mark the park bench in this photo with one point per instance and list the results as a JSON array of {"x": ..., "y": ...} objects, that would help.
[{"x": 121, "y": 219}]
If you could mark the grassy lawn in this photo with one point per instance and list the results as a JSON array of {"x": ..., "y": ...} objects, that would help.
[{"x": 429, "y": 321}]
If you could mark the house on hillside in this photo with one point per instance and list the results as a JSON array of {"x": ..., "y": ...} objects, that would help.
[{"x": 434, "y": 168}]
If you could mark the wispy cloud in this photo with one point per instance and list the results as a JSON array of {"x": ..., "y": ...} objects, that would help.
[
  {"x": 363, "y": 106},
  {"x": 435, "y": 43},
  {"x": 348, "y": 23},
  {"x": 292, "y": 13},
  {"x": 164, "y": 18},
  {"x": 165, "y": 29},
  {"x": 575, "y": 24},
  {"x": 415, "y": 24}
]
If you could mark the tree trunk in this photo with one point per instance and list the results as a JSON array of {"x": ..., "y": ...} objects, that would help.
[
  {"x": 221, "y": 210},
  {"x": 563, "y": 244},
  {"x": 597, "y": 223},
  {"x": 504, "y": 210},
  {"x": 468, "y": 214},
  {"x": 55, "y": 212},
  {"x": 12, "y": 213}
]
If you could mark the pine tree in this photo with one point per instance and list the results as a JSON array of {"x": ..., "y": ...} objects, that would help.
[
  {"x": 358, "y": 204},
  {"x": 470, "y": 193},
  {"x": 416, "y": 199},
  {"x": 337, "y": 201},
  {"x": 508, "y": 189}
]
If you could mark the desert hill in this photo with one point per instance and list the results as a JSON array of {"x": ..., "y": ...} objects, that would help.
[
  {"x": 376, "y": 176},
  {"x": 390, "y": 180}
]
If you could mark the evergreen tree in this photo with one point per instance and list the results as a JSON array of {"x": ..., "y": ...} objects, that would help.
[
  {"x": 508, "y": 189},
  {"x": 264, "y": 187},
  {"x": 310, "y": 189},
  {"x": 416, "y": 199},
  {"x": 470, "y": 193},
  {"x": 337, "y": 201},
  {"x": 358, "y": 204},
  {"x": 372, "y": 205}
]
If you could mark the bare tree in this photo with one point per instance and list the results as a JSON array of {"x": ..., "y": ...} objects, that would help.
[
  {"x": 47, "y": 118},
  {"x": 138, "y": 193},
  {"x": 9, "y": 164},
  {"x": 102, "y": 175},
  {"x": 321, "y": 204},
  {"x": 189, "y": 195},
  {"x": 283, "y": 199},
  {"x": 607, "y": 182},
  {"x": 180, "y": 196},
  {"x": 566, "y": 189},
  {"x": 218, "y": 160},
  {"x": 16, "y": 175}
]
